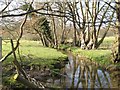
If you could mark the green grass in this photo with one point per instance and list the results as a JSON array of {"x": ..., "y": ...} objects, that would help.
[
  {"x": 34, "y": 53},
  {"x": 107, "y": 43},
  {"x": 109, "y": 39},
  {"x": 102, "y": 55}
]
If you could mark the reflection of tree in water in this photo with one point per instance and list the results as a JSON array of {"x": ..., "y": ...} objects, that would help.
[{"x": 86, "y": 74}]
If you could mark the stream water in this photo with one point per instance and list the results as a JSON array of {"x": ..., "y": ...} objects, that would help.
[{"x": 81, "y": 73}]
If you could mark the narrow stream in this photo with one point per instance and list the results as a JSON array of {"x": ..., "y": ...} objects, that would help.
[{"x": 81, "y": 73}]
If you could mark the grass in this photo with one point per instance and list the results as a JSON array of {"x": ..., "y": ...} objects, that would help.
[
  {"x": 107, "y": 43},
  {"x": 102, "y": 55},
  {"x": 34, "y": 52}
]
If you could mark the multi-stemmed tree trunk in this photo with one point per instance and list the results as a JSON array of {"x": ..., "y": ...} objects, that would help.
[
  {"x": 85, "y": 19},
  {"x": 95, "y": 15}
]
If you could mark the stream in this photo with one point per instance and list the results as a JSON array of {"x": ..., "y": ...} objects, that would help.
[
  {"x": 75, "y": 72},
  {"x": 82, "y": 73}
]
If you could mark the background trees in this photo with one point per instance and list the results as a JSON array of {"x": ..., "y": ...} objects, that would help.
[
  {"x": 68, "y": 23},
  {"x": 57, "y": 23}
]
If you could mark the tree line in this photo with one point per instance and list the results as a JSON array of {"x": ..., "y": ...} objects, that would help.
[
  {"x": 53, "y": 21},
  {"x": 85, "y": 19}
]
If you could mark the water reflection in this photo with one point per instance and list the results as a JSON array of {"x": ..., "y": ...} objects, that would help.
[
  {"x": 85, "y": 74},
  {"x": 82, "y": 73}
]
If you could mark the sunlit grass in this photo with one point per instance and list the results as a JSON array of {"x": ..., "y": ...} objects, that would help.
[
  {"x": 107, "y": 43},
  {"x": 101, "y": 56},
  {"x": 40, "y": 51},
  {"x": 42, "y": 55},
  {"x": 34, "y": 53}
]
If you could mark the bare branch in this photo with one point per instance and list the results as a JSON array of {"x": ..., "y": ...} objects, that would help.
[
  {"x": 110, "y": 5},
  {"x": 5, "y": 7}
]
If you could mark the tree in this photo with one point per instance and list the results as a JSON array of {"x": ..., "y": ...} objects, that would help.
[
  {"x": 88, "y": 21},
  {"x": 118, "y": 17},
  {"x": 72, "y": 8},
  {"x": 41, "y": 26},
  {"x": 97, "y": 14},
  {"x": 116, "y": 51}
]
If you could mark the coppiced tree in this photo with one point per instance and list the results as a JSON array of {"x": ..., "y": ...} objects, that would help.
[
  {"x": 41, "y": 25},
  {"x": 88, "y": 21},
  {"x": 98, "y": 15}
]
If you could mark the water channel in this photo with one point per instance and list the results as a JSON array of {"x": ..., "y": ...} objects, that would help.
[{"x": 81, "y": 73}]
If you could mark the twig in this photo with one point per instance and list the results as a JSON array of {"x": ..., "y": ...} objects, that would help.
[{"x": 5, "y": 7}]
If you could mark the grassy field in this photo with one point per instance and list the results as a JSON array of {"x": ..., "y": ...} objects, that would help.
[
  {"x": 32, "y": 52},
  {"x": 102, "y": 55},
  {"x": 107, "y": 43}
]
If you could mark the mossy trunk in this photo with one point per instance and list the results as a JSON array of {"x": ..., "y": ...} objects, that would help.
[
  {"x": 118, "y": 38},
  {"x": 116, "y": 48}
]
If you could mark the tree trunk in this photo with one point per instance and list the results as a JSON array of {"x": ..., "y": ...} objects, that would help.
[
  {"x": 116, "y": 53},
  {"x": 24, "y": 81},
  {"x": 83, "y": 46},
  {"x": 93, "y": 24},
  {"x": 90, "y": 44},
  {"x": 75, "y": 34},
  {"x": 54, "y": 31},
  {"x": 0, "y": 62},
  {"x": 74, "y": 25},
  {"x": 63, "y": 23},
  {"x": 73, "y": 15},
  {"x": 104, "y": 35},
  {"x": 118, "y": 38},
  {"x": 40, "y": 35}
]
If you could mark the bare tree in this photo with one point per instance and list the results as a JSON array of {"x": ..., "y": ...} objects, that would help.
[{"x": 95, "y": 20}]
